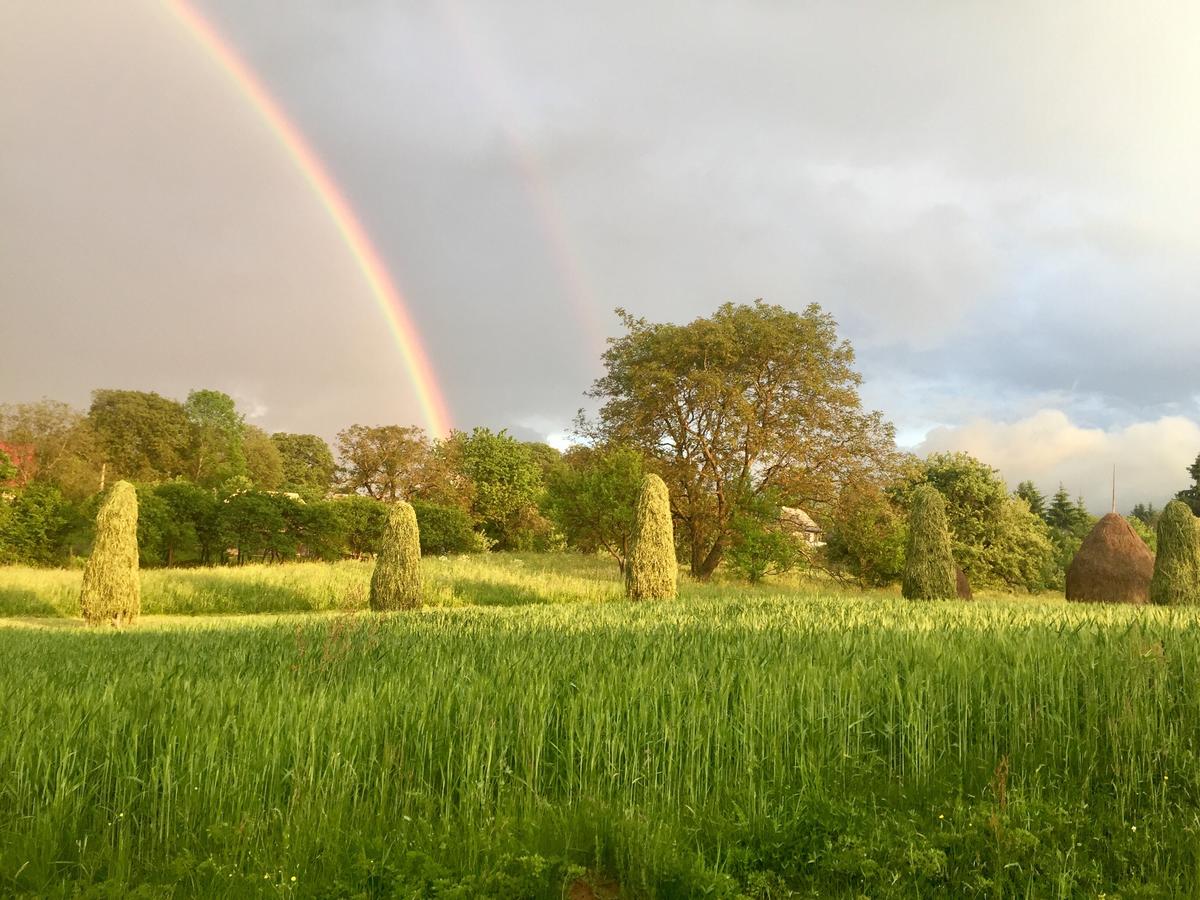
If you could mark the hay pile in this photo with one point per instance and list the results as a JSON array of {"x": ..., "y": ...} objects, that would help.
[
  {"x": 396, "y": 582},
  {"x": 652, "y": 572},
  {"x": 929, "y": 558},
  {"x": 111, "y": 589},
  {"x": 1113, "y": 565}
]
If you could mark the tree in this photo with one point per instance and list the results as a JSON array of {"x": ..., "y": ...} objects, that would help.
[
  {"x": 996, "y": 538},
  {"x": 760, "y": 546},
  {"x": 396, "y": 581},
  {"x": 8, "y": 471},
  {"x": 446, "y": 529},
  {"x": 867, "y": 536},
  {"x": 385, "y": 462},
  {"x": 929, "y": 561},
  {"x": 111, "y": 589},
  {"x": 652, "y": 572},
  {"x": 193, "y": 530},
  {"x": 1034, "y": 498},
  {"x": 506, "y": 482},
  {"x": 307, "y": 462},
  {"x": 59, "y": 442},
  {"x": 1146, "y": 514},
  {"x": 1191, "y": 495},
  {"x": 140, "y": 435},
  {"x": 33, "y": 525},
  {"x": 1176, "y": 578},
  {"x": 755, "y": 398},
  {"x": 256, "y": 523},
  {"x": 263, "y": 462},
  {"x": 362, "y": 521},
  {"x": 591, "y": 498},
  {"x": 216, "y": 452},
  {"x": 1065, "y": 515}
]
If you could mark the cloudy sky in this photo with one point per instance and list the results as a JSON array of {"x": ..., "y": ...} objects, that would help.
[{"x": 1000, "y": 203}]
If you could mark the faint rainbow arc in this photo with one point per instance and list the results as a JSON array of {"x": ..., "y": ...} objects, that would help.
[{"x": 383, "y": 289}]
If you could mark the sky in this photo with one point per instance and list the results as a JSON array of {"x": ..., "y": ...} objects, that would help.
[{"x": 999, "y": 203}]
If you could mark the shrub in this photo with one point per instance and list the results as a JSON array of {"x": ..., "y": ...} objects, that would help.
[
  {"x": 929, "y": 562},
  {"x": 1176, "y": 578},
  {"x": 446, "y": 529},
  {"x": 652, "y": 572},
  {"x": 396, "y": 581},
  {"x": 111, "y": 590}
]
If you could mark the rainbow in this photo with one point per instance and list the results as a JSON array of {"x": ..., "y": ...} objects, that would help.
[{"x": 383, "y": 289}]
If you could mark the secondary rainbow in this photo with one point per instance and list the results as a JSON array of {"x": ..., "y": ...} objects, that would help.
[{"x": 383, "y": 288}]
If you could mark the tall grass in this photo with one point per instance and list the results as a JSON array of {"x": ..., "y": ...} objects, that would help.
[{"x": 767, "y": 746}]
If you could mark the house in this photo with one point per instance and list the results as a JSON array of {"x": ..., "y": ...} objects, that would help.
[{"x": 797, "y": 522}]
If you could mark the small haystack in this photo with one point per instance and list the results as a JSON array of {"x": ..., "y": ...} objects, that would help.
[
  {"x": 963, "y": 584},
  {"x": 1113, "y": 565}
]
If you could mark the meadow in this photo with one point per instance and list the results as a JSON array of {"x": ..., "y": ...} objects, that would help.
[{"x": 531, "y": 734}]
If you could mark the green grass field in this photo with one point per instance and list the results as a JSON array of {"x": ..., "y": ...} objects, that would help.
[{"x": 532, "y": 732}]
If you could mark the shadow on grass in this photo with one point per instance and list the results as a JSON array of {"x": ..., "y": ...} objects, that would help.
[
  {"x": 23, "y": 602},
  {"x": 491, "y": 593}
]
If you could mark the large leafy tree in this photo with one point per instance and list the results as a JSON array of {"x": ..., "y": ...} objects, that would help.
[
  {"x": 308, "y": 465},
  {"x": 753, "y": 399},
  {"x": 385, "y": 462},
  {"x": 141, "y": 435},
  {"x": 59, "y": 444},
  {"x": 264, "y": 464},
  {"x": 216, "y": 450},
  {"x": 506, "y": 486},
  {"x": 591, "y": 496}
]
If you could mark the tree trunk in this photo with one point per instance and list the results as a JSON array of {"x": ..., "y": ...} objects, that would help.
[{"x": 711, "y": 560}]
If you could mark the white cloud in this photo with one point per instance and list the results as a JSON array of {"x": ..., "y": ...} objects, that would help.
[{"x": 1048, "y": 448}]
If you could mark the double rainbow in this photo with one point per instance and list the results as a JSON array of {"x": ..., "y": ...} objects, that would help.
[{"x": 383, "y": 289}]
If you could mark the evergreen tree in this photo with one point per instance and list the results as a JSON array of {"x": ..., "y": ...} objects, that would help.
[
  {"x": 929, "y": 564},
  {"x": 652, "y": 572},
  {"x": 1061, "y": 514},
  {"x": 1191, "y": 495},
  {"x": 1177, "y": 566},
  {"x": 111, "y": 590},
  {"x": 1028, "y": 492},
  {"x": 396, "y": 582}
]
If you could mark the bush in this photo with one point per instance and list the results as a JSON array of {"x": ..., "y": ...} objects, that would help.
[
  {"x": 396, "y": 581},
  {"x": 867, "y": 537},
  {"x": 652, "y": 571},
  {"x": 446, "y": 529},
  {"x": 111, "y": 590},
  {"x": 929, "y": 562},
  {"x": 1176, "y": 578},
  {"x": 760, "y": 547}
]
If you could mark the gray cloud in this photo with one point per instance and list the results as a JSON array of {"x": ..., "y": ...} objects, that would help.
[{"x": 999, "y": 203}]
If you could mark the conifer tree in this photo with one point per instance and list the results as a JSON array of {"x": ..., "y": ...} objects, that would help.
[
  {"x": 929, "y": 564},
  {"x": 652, "y": 571},
  {"x": 111, "y": 589},
  {"x": 396, "y": 582},
  {"x": 1177, "y": 566}
]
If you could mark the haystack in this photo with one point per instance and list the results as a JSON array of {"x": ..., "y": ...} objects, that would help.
[
  {"x": 963, "y": 584},
  {"x": 1113, "y": 565}
]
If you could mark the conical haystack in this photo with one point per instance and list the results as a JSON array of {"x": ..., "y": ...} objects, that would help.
[{"x": 1113, "y": 565}]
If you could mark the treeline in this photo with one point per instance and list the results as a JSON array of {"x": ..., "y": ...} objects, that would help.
[{"x": 743, "y": 413}]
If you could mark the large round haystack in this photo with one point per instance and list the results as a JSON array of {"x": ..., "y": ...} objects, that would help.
[
  {"x": 396, "y": 582},
  {"x": 1176, "y": 579},
  {"x": 929, "y": 560},
  {"x": 111, "y": 590},
  {"x": 652, "y": 571},
  {"x": 1113, "y": 565}
]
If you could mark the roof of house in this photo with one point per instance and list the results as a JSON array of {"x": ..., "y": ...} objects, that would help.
[{"x": 798, "y": 519}]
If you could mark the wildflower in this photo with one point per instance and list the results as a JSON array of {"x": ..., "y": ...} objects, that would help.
[{"x": 293, "y": 878}]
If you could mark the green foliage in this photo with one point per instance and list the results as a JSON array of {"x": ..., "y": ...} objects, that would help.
[
  {"x": 307, "y": 463},
  {"x": 1148, "y": 535},
  {"x": 1176, "y": 579},
  {"x": 997, "y": 540},
  {"x": 760, "y": 546},
  {"x": 33, "y": 525},
  {"x": 396, "y": 582},
  {"x": 216, "y": 452},
  {"x": 264, "y": 464},
  {"x": 867, "y": 536},
  {"x": 141, "y": 435},
  {"x": 254, "y": 524},
  {"x": 386, "y": 462},
  {"x": 751, "y": 399},
  {"x": 1146, "y": 514},
  {"x": 111, "y": 590},
  {"x": 652, "y": 571},
  {"x": 929, "y": 559},
  {"x": 1034, "y": 499},
  {"x": 61, "y": 442},
  {"x": 193, "y": 531},
  {"x": 592, "y": 496},
  {"x": 362, "y": 521},
  {"x": 8, "y": 471},
  {"x": 1191, "y": 495},
  {"x": 506, "y": 479},
  {"x": 446, "y": 529}
]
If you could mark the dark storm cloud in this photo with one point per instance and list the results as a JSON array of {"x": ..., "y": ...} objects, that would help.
[{"x": 999, "y": 203}]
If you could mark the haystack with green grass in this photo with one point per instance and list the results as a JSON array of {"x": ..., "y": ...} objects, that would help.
[
  {"x": 1113, "y": 565},
  {"x": 1176, "y": 580},
  {"x": 111, "y": 590},
  {"x": 929, "y": 570},
  {"x": 652, "y": 572},
  {"x": 396, "y": 582}
]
